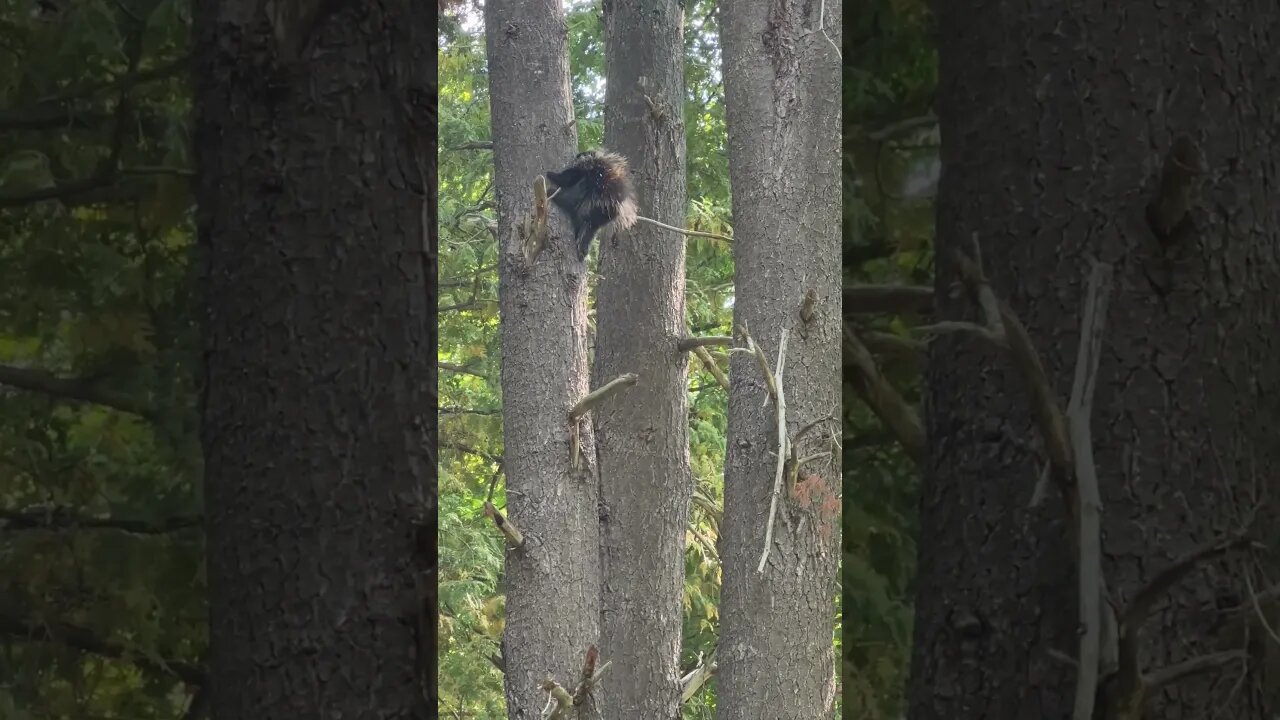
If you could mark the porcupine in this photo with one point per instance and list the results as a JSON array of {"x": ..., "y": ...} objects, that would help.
[{"x": 594, "y": 190}]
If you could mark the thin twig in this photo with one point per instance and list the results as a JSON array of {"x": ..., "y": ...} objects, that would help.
[{"x": 694, "y": 233}]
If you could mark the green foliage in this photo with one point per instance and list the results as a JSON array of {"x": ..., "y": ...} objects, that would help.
[
  {"x": 94, "y": 286},
  {"x": 471, "y": 554}
]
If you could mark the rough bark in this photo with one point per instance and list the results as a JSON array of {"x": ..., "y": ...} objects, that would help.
[
  {"x": 1055, "y": 122},
  {"x": 318, "y": 340},
  {"x": 552, "y": 582},
  {"x": 782, "y": 94},
  {"x": 643, "y": 432}
]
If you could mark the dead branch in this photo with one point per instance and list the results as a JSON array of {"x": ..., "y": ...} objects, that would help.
[
  {"x": 1257, "y": 609},
  {"x": 882, "y": 398},
  {"x": 513, "y": 535},
  {"x": 710, "y": 364},
  {"x": 533, "y": 232},
  {"x": 1089, "y": 499},
  {"x": 685, "y": 344},
  {"x": 1167, "y": 675},
  {"x": 1128, "y": 687},
  {"x": 597, "y": 396},
  {"x": 63, "y": 519},
  {"x": 927, "y": 121},
  {"x": 951, "y": 327},
  {"x": 691, "y": 683},
  {"x": 452, "y": 367},
  {"x": 780, "y": 408},
  {"x": 1045, "y": 411},
  {"x": 470, "y": 450},
  {"x": 69, "y": 388},
  {"x": 890, "y": 344},
  {"x": 559, "y": 697},
  {"x": 887, "y": 299},
  {"x": 763, "y": 362},
  {"x": 88, "y": 641},
  {"x": 688, "y": 233},
  {"x": 1139, "y": 607}
]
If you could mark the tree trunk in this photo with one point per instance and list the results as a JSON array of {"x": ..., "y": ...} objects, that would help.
[
  {"x": 552, "y": 581},
  {"x": 782, "y": 94},
  {"x": 1055, "y": 122},
  {"x": 318, "y": 343},
  {"x": 643, "y": 433}
]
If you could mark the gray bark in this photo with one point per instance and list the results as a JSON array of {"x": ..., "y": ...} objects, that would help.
[
  {"x": 1051, "y": 150},
  {"x": 782, "y": 90},
  {"x": 552, "y": 582},
  {"x": 318, "y": 340},
  {"x": 643, "y": 433}
]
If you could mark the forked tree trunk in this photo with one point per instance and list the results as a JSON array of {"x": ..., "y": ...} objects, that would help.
[
  {"x": 1054, "y": 124},
  {"x": 782, "y": 94},
  {"x": 318, "y": 351},
  {"x": 643, "y": 433},
  {"x": 552, "y": 581}
]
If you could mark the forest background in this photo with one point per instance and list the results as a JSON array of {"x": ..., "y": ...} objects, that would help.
[{"x": 888, "y": 225}]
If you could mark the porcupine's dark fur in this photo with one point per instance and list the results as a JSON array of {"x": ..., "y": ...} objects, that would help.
[{"x": 594, "y": 191}]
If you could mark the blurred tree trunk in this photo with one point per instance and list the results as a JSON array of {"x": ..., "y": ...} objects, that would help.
[
  {"x": 643, "y": 432},
  {"x": 1055, "y": 123},
  {"x": 552, "y": 581},
  {"x": 318, "y": 343},
  {"x": 782, "y": 94}
]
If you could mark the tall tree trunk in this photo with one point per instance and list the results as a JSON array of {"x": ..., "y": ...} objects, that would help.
[
  {"x": 643, "y": 433},
  {"x": 318, "y": 355},
  {"x": 1054, "y": 122},
  {"x": 552, "y": 581},
  {"x": 782, "y": 94}
]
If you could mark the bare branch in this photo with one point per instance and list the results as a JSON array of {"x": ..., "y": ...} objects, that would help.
[
  {"x": 688, "y": 233},
  {"x": 882, "y": 398},
  {"x": 887, "y": 299},
  {"x": 83, "y": 639},
  {"x": 468, "y": 449},
  {"x": 690, "y": 684},
  {"x": 780, "y": 407},
  {"x": 595, "y": 397},
  {"x": 1140, "y": 607},
  {"x": 508, "y": 529},
  {"x": 80, "y": 389},
  {"x": 61, "y": 518},
  {"x": 710, "y": 364},
  {"x": 58, "y": 111},
  {"x": 761, "y": 361},
  {"x": 451, "y": 367},
  {"x": 1165, "y": 676},
  {"x": 469, "y": 411},
  {"x": 685, "y": 344},
  {"x": 1089, "y": 499},
  {"x": 903, "y": 127}
]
